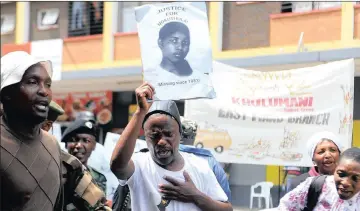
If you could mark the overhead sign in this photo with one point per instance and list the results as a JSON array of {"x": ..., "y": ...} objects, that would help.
[{"x": 267, "y": 117}]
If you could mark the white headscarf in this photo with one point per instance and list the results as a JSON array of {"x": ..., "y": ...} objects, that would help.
[
  {"x": 318, "y": 137},
  {"x": 14, "y": 65}
]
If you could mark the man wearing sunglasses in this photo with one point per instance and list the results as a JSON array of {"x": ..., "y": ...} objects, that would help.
[{"x": 80, "y": 140}]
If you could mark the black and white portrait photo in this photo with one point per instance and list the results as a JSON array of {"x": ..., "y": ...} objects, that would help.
[
  {"x": 176, "y": 49},
  {"x": 174, "y": 42}
]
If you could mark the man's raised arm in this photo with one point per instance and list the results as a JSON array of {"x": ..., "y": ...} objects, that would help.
[{"x": 121, "y": 164}]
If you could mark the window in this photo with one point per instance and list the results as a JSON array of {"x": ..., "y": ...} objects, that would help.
[
  {"x": 85, "y": 18},
  {"x": 48, "y": 19},
  {"x": 330, "y": 4},
  {"x": 299, "y": 6},
  {"x": 302, "y": 6},
  {"x": 7, "y": 24},
  {"x": 286, "y": 6}
]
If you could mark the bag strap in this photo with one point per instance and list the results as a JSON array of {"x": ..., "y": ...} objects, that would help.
[
  {"x": 314, "y": 192},
  {"x": 126, "y": 202}
]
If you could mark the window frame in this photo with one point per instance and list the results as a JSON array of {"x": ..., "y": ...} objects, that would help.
[
  {"x": 39, "y": 20},
  {"x": 12, "y": 28}
]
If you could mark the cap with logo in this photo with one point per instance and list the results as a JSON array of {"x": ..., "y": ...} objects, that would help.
[
  {"x": 14, "y": 65},
  {"x": 79, "y": 126}
]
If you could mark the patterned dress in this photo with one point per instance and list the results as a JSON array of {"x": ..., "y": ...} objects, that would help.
[{"x": 328, "y": 200}]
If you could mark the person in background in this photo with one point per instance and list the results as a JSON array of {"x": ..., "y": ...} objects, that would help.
[
  {"x": 30, "y": 157},
  {"x": 339, "y": 191},
  {"x": 80, "y": 140},
  {"x": 55, "y": 111},
  {"x": 189, "y": 133},
  {"x": 163, "y": 178},
  {"x": 99, "y": 161},
  {"x": 75, "y": 175},
  {"x": 324, "y": 148}
]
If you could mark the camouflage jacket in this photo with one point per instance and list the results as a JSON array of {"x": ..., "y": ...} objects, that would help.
[
  {"x": 99, "y": 178},
  {"x": 80, "y": 191}
]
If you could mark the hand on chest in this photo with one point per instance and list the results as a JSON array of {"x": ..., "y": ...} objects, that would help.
[{"x": 165, "y": 185}]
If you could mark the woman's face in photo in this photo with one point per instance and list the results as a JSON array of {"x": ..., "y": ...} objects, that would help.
[{"x": 175, "y": 47}]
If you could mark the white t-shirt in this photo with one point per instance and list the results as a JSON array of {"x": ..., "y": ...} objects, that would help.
[{"x": 148, "y": 175}]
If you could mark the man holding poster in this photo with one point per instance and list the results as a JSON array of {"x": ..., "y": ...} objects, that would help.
[{"x": 163, "y": 178}]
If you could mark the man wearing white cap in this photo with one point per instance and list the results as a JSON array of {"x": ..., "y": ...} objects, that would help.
[{"x": 30, "y": 157}]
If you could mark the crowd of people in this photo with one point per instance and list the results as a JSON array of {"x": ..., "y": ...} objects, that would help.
[{"x": 168, "y": 173}]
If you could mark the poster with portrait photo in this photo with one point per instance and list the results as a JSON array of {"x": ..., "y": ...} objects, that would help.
[{"x": 176, "y": 49}]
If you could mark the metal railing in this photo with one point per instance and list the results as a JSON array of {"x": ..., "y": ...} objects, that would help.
[{"x": 85, "y": 18}]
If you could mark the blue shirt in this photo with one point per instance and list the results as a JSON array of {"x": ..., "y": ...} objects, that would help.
[{"x": 214, "y": 165}]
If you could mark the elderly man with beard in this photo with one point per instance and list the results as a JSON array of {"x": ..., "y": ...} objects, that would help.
[
  {"x": 163, "y": 178},
  {"x": 30, "y": 157}
]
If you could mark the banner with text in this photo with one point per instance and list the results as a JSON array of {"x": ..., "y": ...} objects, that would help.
[{"x": 267, "y": 117}]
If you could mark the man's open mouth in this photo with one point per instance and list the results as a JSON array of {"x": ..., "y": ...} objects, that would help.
[
  {"x": 42, "y": 106},
  {"x": 78, "y": 153},
  {"x": 163, "y": 153}
]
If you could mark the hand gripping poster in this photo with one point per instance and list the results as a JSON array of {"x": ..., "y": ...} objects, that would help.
[{"x": 176, "y": 49}]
